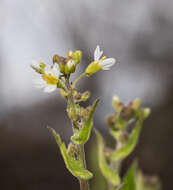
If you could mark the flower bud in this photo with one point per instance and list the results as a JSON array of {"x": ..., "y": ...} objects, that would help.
[
  {"x": 110, "y": 121},
  {"x": 70, "y": 67},
  {"x": 85, "y": 96},
  {"x": 136, "y": 104},
  {"x": 146, "y": 112},
  {"x": 72, "y": 114},
  {"x": 56, "y": 58},
  {"x": 38, "y": 67},
  {"x": 83, "y": 112},
  {"x": 77, "y": 56},
  {"x": 60, "y": 61},
  {"x": 117, "y": 105}
]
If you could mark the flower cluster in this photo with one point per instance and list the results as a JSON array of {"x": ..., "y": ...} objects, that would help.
[{"x": 52, "y": 75}]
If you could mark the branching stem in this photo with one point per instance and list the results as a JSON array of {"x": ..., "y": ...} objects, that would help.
[{"x": 77, "y": 80}]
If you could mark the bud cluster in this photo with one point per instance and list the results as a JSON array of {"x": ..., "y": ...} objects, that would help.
[
  {"x": 124, "y": 116},
  {"x": 68, "y": 64}
]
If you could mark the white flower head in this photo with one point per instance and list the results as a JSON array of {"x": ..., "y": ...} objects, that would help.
[
  {"x": 104, "y": 63},
  {"x": 49, "y": 79}
]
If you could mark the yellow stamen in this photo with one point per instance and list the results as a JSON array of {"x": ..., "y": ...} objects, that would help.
[
  {"x": 103, "y": 58},
  {"x": 50, "y": 79}
]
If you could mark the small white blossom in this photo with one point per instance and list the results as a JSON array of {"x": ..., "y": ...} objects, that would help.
[
  {"x": 104, "y": 62},
  {"x": 49, "y": 79}
]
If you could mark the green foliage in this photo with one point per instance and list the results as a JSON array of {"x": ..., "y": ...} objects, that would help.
[
  {"x": 75, "y": 166},
  {"x": 130, "y": 144},
  {"x": 129, "y": 182},
  {"x": 84, "y": 134},
  {"x": 110, "y": 174}
]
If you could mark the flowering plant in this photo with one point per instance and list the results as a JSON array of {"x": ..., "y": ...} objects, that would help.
[{"x": 57, "y": 76}]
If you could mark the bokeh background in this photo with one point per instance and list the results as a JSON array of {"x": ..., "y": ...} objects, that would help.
[{"x": 138, "y": 33}]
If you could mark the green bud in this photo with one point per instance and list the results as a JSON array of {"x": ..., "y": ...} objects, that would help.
[
  {"x": 77, "y": 56},
  {"x": 72, "y": 114},
  {"x": 117, "y": 105},
  {"x": 85, "y": 96},
  {"x": 146, "y": 112},
  {"x": 70, "y": 67},
  {"x": 56, "y": 58},
  {"x": 61, "y": 67},
  {"x": 110, "y": 121},
  {"x": 136, "y": 104},
  {"x": 84, "y": 112},
  {"x": 60, "y": 61},
  {"x": 40, "y": 68}
]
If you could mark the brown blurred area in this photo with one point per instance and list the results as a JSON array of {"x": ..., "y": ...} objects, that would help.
[{"x": 138, "y": 34}]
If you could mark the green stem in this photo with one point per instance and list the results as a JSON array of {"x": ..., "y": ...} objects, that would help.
[
  {"x": 77, "y": 80},
  {"x": 83, "y": 183}
]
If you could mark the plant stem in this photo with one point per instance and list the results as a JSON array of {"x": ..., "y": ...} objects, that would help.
[
  {"x": 77, "y": 80},
  {"x": 83, "y": 183}
]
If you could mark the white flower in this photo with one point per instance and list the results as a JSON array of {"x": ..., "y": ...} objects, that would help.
[
  {"x": 99, "y": 63},
  {"x": 49, "y": 79},
  {"x": 104, "y": 63}
]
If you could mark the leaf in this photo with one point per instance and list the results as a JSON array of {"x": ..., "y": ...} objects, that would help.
[
  {"x": 129, "y": 182},
  {"x": 84, "y": 134},
  {"x": 130, "y": 145},
  {"x": 111, "y": 175},
  {"x": 75, "y": 166}
]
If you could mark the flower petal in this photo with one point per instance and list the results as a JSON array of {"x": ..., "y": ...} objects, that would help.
[
  {"x": 35, "y": 64},
  {"x": 55, "y": 70},
  {"x": 97, "y": 53},
  {"x": 107, "y": 63},
  {"x": 48, "y": 69},
  {"x": 50, "y": 88},
  {"x": 39, "y": 83}
]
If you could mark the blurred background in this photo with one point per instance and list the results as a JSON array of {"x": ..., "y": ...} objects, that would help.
[{"x": 139, "y": 34}]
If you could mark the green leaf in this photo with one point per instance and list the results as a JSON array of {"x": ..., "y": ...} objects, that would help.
[
  {"x": 75, "y": 166},
  {"x": 84, "y": 134},
  {"x": 111, "y": 175},
  {"x": 130, "y": 145},
  {"x": 129, "y": 182}
]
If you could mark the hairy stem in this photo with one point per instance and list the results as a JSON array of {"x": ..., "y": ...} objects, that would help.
[{"x": 83, "y": 183}]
